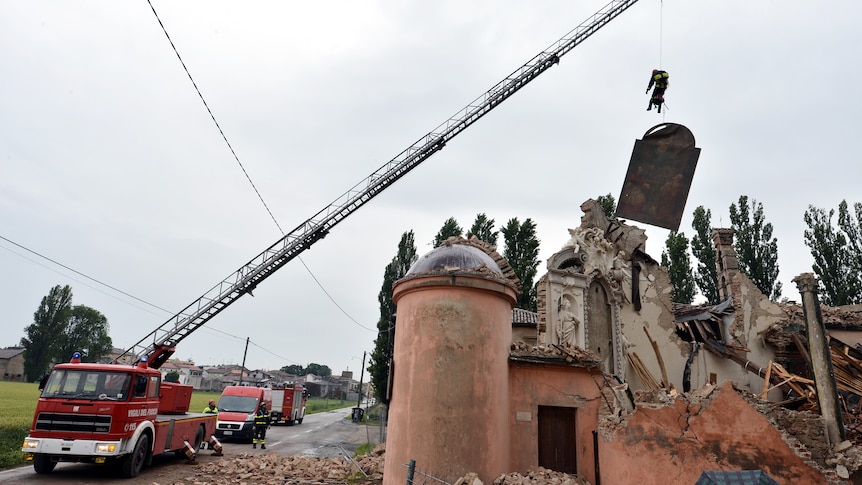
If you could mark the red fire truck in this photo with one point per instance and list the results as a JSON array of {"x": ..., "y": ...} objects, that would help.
[
  {"x": 112, "y": 414},
  {"x": 288, "y": 404}
]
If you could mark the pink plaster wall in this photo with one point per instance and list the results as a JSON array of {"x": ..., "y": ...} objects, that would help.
[
  {"x": 534, "y": 385},
  {"x": 675, "y": 444},
  {"x": 450, "y": 404}
]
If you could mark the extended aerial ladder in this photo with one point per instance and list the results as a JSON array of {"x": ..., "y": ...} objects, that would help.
[{"x": 159, "y": 344}]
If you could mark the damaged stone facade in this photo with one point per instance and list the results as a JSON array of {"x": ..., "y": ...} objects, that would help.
[
  {"x": 620, "y": 301},
  {"x": 601, "y": 373}
]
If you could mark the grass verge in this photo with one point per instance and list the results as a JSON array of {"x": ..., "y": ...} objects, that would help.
[{"x": 17, "y": 404}]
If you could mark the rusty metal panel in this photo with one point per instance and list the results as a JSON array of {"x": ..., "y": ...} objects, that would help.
[{"x": 659, "y": 176}]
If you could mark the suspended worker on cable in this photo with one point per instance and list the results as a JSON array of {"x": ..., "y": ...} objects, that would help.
[{"x": 660, "y": 80}]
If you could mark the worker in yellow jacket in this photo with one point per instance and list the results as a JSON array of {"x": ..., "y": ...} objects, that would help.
[{"x": 659, "y": 79}]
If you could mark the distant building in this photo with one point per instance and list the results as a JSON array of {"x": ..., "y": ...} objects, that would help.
[
  {"x": 190, "y": 374},
  {"x": 12, "y": 364}
]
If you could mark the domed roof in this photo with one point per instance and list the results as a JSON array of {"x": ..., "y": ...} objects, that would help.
[{"x": 455, "y": 257}]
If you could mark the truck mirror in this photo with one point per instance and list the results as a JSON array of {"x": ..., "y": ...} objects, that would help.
[{"x": 43, "y": 381}]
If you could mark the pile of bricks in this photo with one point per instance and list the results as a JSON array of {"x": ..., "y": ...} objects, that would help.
[
  {"x": 566, "y": 352},
  {"x": 274, "y": 469},
  {"x": 538, "y": 476}
]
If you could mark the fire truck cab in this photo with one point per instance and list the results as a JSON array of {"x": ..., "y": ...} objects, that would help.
[{"x": 112, "y": 413}]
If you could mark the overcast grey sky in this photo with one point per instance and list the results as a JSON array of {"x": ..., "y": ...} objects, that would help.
[{"x": 111, "y": 165}]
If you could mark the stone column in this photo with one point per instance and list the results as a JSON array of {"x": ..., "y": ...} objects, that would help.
[{"x": 821, "y": 358}]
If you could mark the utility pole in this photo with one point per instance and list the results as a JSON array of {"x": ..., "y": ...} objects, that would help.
[
  {"x": 242, "y": 369},
  {"x": 361, "y": 375}
]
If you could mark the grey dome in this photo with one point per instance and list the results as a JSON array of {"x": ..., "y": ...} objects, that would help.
[{"x": 453, "y": 257}]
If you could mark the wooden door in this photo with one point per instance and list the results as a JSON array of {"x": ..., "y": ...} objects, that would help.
[{"x": 557, "y": 440}]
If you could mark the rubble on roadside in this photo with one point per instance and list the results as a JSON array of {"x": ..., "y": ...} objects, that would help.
[
  {"x": 249, "y": 468},
  {"x": 538, "y": 476}
]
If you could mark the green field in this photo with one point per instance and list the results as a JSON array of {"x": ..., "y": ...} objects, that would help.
[{"x": 18, "y": 403}]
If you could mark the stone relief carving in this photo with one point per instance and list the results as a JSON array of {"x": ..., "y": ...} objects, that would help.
[{"x": 598, "y": 251}]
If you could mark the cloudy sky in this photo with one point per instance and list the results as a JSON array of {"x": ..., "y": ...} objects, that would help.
[{"x": 111, "y": 165}]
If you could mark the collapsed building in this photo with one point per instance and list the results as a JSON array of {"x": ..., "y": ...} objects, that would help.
[{"x": 611, "y": 380}]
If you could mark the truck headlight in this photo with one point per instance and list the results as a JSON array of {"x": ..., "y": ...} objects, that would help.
[
  {"x": 105, "y": 447},
  {"x": 30, "y": 444}
]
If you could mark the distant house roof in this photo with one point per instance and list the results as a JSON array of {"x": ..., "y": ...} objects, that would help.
[
  {"x": 10, "y": 352},
  {"x": 524, "y": 318}
]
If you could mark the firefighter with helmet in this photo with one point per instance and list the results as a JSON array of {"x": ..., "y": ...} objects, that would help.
[
  {"x": 659, "y": 79},
  {"x": 261, "y": 424}
]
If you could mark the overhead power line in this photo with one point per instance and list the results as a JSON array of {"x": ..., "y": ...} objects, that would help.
[{"x": 244, "y": 171}]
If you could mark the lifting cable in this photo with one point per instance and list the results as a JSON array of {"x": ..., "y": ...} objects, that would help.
[
  {"x": 660, "y": 47},
  {"x": 660, "y": 31}
]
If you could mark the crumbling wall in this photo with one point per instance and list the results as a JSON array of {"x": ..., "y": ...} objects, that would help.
[{"x": 674, "y": 440}]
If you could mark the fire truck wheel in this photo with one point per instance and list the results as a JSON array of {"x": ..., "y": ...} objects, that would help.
[
  {"x": 134, "y": 462},
  {"x": 43, "y": 464},
  {"x": 199, "y": 438}
]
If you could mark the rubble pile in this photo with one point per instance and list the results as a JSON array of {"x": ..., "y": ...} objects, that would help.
[
  {"x": 274, "y": 469},
  {"x": 538, "y": 476},
  {"x": 568, "y": 353}
]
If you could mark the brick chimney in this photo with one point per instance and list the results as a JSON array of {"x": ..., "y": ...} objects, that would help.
[{"x": 726, "y": 261}]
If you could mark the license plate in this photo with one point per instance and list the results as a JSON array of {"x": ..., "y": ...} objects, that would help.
[{"x": 228, "y": 432}]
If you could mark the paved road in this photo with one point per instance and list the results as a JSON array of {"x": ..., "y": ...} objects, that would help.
[{"x": 320, "y": 435}]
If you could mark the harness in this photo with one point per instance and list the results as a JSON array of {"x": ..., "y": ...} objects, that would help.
[{"x": 661, "y": 79}]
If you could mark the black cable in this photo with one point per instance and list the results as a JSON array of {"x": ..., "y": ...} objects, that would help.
[
  {"x": 85, "y": 276},
  {"x": 224, "y": 137},
  {"x": 247, "y": 176}
]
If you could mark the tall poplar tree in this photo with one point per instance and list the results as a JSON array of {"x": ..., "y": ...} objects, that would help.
[
  {"x": 676, "y": 259},
  {"x": 703, "y": 249},
  {"x": 522, "y": 253},
  {"x": 755, "y": 246},
  {"x": 836, "y": 252},
  {"x": 378, "y": 368},
  {"x": 450, "y": 228},
  {"x": 483, "y": 229},
  {"x": 43, "y": 336},
  {"x": 59, "y": 330}
]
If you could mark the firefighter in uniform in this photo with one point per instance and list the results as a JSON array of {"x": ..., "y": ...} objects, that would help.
[
  {"x": 261, "y": 423},
  {"x": 660, "y": 80}
]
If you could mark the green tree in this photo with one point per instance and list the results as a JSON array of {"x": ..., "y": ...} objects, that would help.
[
  {"x": 172, "y": 376},
  {"x": 609, "y": 205},
  {"x": 318, "y": 370},
  {"x": 836, "y": 253},
  {"x": 86, "y": 332},
  {"x": 522, "y": 253},
  {"x": 450, "y": 228},
  {"x": 755, "y": 246},
  {"x": 676, "y": 259},
  {"x": 378, "y": 368},
  {"x": 294, "y": 369},
  {"x": 703, "y": 249},
  {"x": 43, "y": 336},
  {"x": 852, "y": 226},
  {"x": 483, "y": 229}
]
